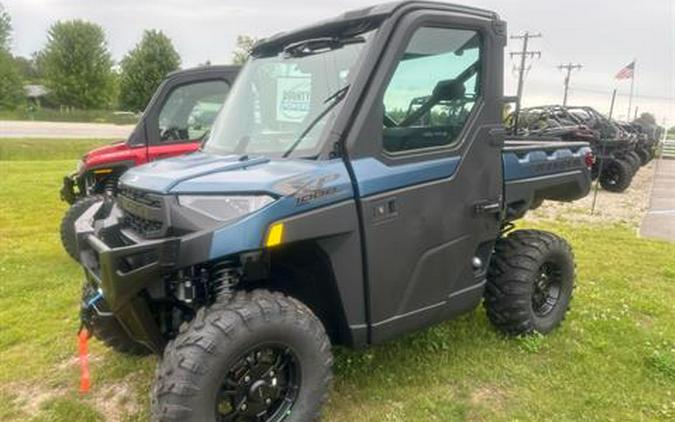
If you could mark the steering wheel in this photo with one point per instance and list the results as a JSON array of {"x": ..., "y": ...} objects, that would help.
[{"x": 171, "y": 134}]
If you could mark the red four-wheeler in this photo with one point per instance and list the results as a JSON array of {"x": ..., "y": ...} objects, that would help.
[{"x": 176, "y": 121}]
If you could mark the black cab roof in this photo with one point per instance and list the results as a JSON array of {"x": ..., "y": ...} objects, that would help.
[{"x": 372, "y": 15}]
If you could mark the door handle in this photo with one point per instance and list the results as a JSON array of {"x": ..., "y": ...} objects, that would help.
[
  {"x": 385, "y": 209},
  {"x": 487, "y": 207}
]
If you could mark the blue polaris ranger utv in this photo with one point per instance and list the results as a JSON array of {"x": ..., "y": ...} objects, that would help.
[{"x": 356, "y": 186}]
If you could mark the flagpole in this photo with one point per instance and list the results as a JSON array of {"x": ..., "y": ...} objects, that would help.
[{"x": 632, "y": 85}]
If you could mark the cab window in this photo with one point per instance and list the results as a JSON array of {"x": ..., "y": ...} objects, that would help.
[
  {"x": 433, "y": 89},
  {"x": 190, "y": 110}
]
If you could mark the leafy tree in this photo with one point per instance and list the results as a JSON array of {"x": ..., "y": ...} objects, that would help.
[
  {"x": 27, "y": 68},
  {"x": 5, "y": 28},
  {"x": 77, "y": 65},
  {"x": 243, "y": 49},
  {"x": 144, "y": 68},
  {"x": 646, "y": 119},
  {"x": 11, "y": 86}
]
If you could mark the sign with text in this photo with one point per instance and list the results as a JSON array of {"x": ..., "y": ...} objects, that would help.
[{"x": 293, "y": 94}]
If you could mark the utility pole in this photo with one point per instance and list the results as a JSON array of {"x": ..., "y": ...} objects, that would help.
[
  {"x": 524, "y": 54},
  {"x": 569, "y": 67}
]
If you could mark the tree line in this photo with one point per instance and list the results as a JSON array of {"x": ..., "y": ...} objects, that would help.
[{"x": 77, "y": 68}]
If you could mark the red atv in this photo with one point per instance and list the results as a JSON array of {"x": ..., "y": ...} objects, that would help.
[{"x": 175, "y": 122}]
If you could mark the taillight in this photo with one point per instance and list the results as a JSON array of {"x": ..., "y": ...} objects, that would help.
[{"x": 589, "y": 159}]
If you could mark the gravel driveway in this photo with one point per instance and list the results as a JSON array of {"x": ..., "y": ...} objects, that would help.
[{"x": 627, "y": 207}]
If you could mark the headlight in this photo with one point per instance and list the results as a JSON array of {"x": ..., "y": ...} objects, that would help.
[
  {"x": 80, "y": 166},
  {"x": 224, "y": 208}
]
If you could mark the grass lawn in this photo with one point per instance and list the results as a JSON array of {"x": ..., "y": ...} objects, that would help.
[
  {"x": 15, "y": 149},
  {"x": 613, "y": 359}
]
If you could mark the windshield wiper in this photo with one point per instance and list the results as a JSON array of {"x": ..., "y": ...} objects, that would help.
[
  {"x": 333, "y": 100},
  {"x": 319, "y": 45}
]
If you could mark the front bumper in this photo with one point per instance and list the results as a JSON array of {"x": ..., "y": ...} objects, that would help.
[
  {"x": 68, "y": 192},
  {"x": 122, "y": 265}
]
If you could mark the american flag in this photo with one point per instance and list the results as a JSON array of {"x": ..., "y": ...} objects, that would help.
[{"x": 626, "y": 72}]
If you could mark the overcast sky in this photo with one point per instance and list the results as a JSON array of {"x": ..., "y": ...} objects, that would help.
[{"x": 602, "y": 35}]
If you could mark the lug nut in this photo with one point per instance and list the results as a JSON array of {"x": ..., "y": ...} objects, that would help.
[{"x": 268, "y": 401}]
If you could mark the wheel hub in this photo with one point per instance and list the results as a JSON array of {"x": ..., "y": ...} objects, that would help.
[
  {"x": 546, "y": 290},
  {"x": 612, "y": 176},
  {"x": 260, "y": 386}
]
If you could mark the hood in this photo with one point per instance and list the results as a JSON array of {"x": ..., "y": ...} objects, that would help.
[
  {"x": 106, "y": 149},
  {"x": 205, "y": 173},
  {"x": 109, "y": 154}
]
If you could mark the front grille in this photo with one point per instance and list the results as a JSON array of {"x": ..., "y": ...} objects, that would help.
[
  {"x": 141, "y": 225},
  {"x": 142, "y": 212},
  {"x": 145, "y": 198}
]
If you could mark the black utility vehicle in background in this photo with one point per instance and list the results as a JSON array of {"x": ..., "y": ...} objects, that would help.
[
  {"x": 620, "y": 149},
  {"x": 356, "y": 186}
]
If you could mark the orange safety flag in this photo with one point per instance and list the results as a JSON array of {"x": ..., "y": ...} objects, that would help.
[{"x": 85, "y": 379}]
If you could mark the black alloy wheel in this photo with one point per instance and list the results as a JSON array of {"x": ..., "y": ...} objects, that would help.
[
  {"x": 546, "y": 289},
  {"x": 262, "y": 385},
  {"x": 258, "y": 356}
]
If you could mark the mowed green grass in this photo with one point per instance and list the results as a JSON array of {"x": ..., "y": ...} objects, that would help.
[
  {"x": 15, "y": 149},
  {"x": 613, "y": 358}
]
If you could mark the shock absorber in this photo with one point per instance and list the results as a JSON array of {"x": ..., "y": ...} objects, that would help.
[
  {"x": 110, "y": 185},
  {"x": 223, "y": 276}
]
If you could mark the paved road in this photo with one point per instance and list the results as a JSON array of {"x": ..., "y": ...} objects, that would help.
[
  {"x": 659, "y": 221},
  {"x": 29, "y": 129}
]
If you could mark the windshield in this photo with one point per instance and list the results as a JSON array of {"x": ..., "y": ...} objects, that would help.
[{"x": 281, "y": 103}]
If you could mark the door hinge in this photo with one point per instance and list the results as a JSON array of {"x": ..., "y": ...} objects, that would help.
[{"x": 497, "y": 137}]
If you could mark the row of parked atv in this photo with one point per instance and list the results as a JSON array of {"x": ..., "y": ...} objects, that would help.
[{"x": 620, "y": 148}]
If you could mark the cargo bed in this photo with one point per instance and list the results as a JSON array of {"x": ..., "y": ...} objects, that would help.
[{"x": 536, "y": 170}]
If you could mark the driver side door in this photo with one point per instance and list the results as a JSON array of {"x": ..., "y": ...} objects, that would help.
[{"x": 430, "y": 192}]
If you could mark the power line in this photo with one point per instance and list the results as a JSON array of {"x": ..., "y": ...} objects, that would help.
[
  {"x": 524, "y": 55},
  {"x": 569, "y": 67}
]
